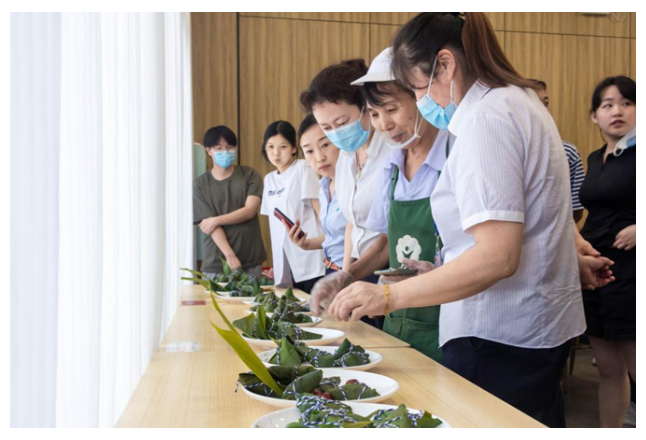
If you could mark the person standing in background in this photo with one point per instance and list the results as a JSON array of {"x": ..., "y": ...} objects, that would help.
[
  {"x": 293, "y": 189},
  {"x": 609, "y": 193},
  {"x": 225, "y": 206}
]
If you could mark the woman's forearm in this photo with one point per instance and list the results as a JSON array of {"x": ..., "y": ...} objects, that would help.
[
  {"x": 375, "y": 258},
  {"x": 312, "y": 244},
  {"x": 347, "y": 246}
]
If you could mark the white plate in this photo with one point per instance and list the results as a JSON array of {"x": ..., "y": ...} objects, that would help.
[
  {"x": 264, "y": 288},
  {"x": 315, "y": 321},
  {"x": 282, "y": 417},
  {"x": 329, "y": 336},
  {"x": 375, "y": 358},
  {"x": 384, "y": 385}
]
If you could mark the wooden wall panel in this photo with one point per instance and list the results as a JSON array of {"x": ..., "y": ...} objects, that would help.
[
  {"x": 633, "y": 25},
  {"x": 497, "y": 18},
  {"x": 278, "y": 60},
  {"x": 564, "y": 63},
  {"x": 569, "y": 23},
  {"x": 356, "y": 17},
  {"x": 633, "y": 59},
  {"x": 381, "y": 36},
  {"x": 215, "y": 78},
  {"x": 391, "y": 17}
]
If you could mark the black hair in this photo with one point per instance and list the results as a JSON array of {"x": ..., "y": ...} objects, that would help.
[
  {"x": 283, "y": 128},
  {"x": 471, "y": 38},
  {"x": 214, "y": 134},
  {"x": 332, "y": 84},
  {"x": 376, "y": 95},
  {"x": 308, "y": 122},
  {"x": 627, "y": 87}
]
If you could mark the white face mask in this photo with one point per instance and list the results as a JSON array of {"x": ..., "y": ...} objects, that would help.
[
  {"x": 399, "y": 145},
  {"x": 628, "y": 141}
]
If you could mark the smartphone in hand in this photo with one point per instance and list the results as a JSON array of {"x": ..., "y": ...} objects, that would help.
[
  {"x": 396, "y": 271},
  {"x": 283, "y": 218}
]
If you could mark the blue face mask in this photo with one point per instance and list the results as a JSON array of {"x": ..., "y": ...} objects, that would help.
[
  {"x": 432, "y": 111},
  {"x": 224, "y": 159},
  {"x": 628, "y": 141},
  {"x": 350, "y": 137}
]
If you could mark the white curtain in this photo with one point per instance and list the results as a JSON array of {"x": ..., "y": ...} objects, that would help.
[
  {"x": 35, "y": 126},
  {"x": 125, "y": 198},
  {"x": 124, "y": 204}
]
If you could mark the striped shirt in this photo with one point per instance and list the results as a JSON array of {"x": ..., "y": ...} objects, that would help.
[
  {"x": 508, "y": 164},
  {"x": 576, "y": 174}
]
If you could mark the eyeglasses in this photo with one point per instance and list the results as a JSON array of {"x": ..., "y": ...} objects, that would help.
[{"x": 220, "y": 148}]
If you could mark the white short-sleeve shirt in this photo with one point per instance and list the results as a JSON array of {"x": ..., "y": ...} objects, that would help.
[
  {"x": 356, "y": 196},
  {"x": 508, "y": 164},
  {"x": 292, "y": 193}
]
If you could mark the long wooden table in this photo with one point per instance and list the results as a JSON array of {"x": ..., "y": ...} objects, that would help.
[{"x": 196, "y": 389}]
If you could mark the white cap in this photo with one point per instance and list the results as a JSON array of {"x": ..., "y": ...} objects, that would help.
[{"x": 379, "y": 70}]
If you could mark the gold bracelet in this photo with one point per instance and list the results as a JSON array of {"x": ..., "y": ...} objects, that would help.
[{"x": 387, "y": 294}]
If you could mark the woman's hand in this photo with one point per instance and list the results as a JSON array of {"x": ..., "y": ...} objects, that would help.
[
  {"x": 594, "y": 271},
  {"x": 326, "y": 289},
  {"x": 626, "y": 239},
  {"x": 357, "y": 300},
  {"x": 293, "y": 235}
]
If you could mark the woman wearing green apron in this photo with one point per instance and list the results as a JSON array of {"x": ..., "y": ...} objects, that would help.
[
  {"x": 411, "y": 235},
  {"x": 403, "y": 208}
]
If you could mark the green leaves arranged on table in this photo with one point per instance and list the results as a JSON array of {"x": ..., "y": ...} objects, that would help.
[
  {"x": 284, "y": 376},
  {"x": 289, "y": 316},
  {"x": 305, "y": 379},
  {"x": 347, "y": 355},
  {"x": 233, "y": 338},
  {"x": 240, "y": 289},
  {"x": 260, "y": 326},
  {"x": 239, "y": 277},
  {"x": 275, "y": 304},
  {"x": 319, "y": 412}
]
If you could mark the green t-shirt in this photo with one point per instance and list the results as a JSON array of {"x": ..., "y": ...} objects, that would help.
[{"x": 213, "y": 197}]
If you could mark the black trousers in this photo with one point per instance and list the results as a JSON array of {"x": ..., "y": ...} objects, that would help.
[
  {"x": 527, "y": 379},
  {"x": 306, "y": 285}
]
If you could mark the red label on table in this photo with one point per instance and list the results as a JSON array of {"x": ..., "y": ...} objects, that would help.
[{"x": 194, "y": 303}]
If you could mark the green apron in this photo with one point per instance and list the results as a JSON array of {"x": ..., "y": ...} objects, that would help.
[{"x": 411, "y": 234}]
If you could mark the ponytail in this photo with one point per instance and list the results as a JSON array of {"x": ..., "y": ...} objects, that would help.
[{"x": 469, "y": 36}]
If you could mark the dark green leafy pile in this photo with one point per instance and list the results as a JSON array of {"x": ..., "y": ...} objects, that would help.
[
  {"x": 347, "y": 355},
  {"x": 260, "y": 326},
  {"x": 234, "y": 280}
]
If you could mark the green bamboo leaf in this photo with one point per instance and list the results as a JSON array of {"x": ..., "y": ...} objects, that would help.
[
  {"x": 261, "y": 328},
  {"x": 195, "y": 272},
  {"x": 288, "y": 354},
  {"x": 428, "y": 421},
  {"x": 205, "y": 284},
  {"x": 241, "y": 347},
  {"x": 226, "y": 269},
  {"x": 249, "y": 357}
]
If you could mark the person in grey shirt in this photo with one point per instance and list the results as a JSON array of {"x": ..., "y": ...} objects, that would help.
[{"x": 225, "y": 206}]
